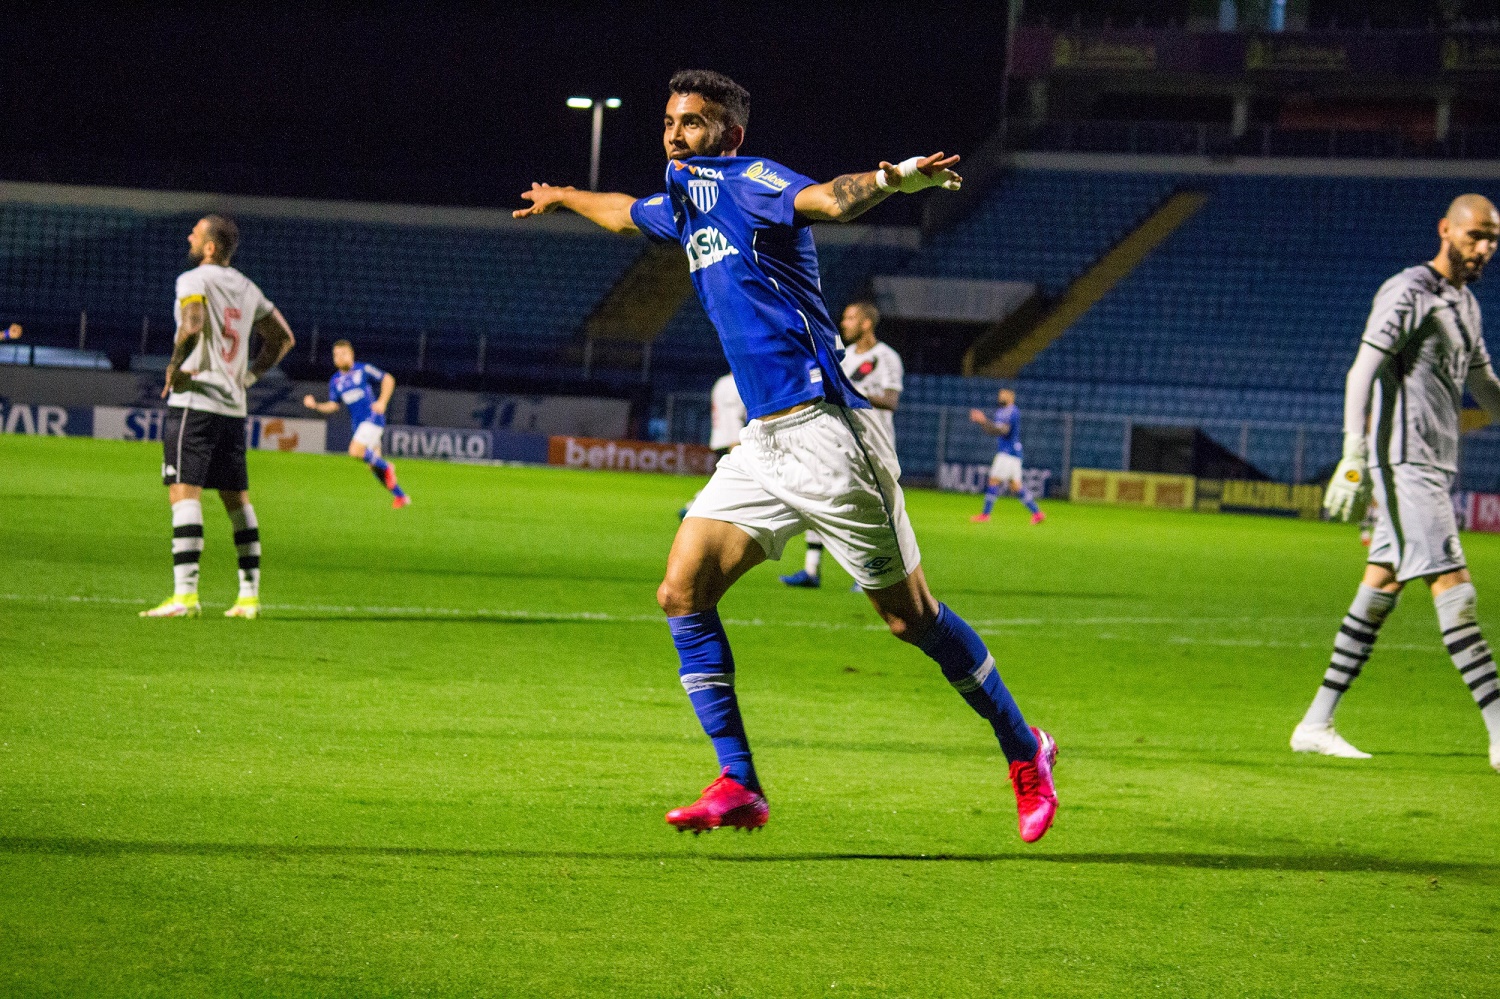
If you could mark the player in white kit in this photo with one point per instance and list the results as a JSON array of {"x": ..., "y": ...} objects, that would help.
[
  {"x": 727, "y": 413},
  {"x": 727, "y": 417},
  {"x": 1422, "y": 346},
  {"x": 203, "y": 439},
  {"x": 876, "y": 370}
]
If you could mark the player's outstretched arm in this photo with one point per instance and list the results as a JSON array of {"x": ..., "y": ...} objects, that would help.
[
  {"x": 609, "y": 211},
  {"x": 194, "y": 318},
  {"x": 326, "y": 408},
  {"x": 275, "y": 341},
  {"x": 989, "y": 426},
  {"x": 846, "y": 198}
]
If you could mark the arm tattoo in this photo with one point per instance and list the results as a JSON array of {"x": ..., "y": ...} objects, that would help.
[
  {"x": 184, "y": 347},
  {"x": 856, "y": 193}
]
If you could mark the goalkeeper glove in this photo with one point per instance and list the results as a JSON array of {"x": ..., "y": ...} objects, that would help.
[
  {"x": 906, "y": 178},
  {"x": 1349, "y": 489}
]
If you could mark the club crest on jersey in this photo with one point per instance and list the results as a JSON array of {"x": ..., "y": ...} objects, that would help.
[
  {"x": 705, "y": 193},
  {"x": 707, "y": 247}
]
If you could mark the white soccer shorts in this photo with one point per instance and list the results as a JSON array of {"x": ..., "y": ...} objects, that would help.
[
  {"x": 1006, "y": 468},
  {"x": 826, "y": 469},
  {"x": 1416, "y": 532},
  {"x": 369, "y": 434}
]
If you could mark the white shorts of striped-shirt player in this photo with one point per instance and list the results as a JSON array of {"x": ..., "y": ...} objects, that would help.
[
  {"x": 369, "y": 433},
  {"x": 1416, "y": 532},
  {"x": 1006, "y": 468},
  {"x": 826, "y": 469}
]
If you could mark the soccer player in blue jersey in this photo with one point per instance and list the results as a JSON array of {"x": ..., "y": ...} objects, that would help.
[
  {"x": 366, "y": 391},
  {"x": 813, "y": 456},
  {"x": 1005, "y": 470}
]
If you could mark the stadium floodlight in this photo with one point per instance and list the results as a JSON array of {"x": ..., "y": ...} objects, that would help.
[{"x": 585, "y": 104}]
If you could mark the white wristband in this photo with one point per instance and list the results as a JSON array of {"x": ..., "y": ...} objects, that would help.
[{"x": 882, "y": 181}]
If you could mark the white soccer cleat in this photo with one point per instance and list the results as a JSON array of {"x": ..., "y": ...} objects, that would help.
[
  {"x": 245, "y": 607},
  {"x": 177, "y": 605},
  {"x": 1323, "y": 739}
]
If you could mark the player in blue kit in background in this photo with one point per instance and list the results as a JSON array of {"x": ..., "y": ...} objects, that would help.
[
  {"x": 366, "y": 391},
  {"x": 814, "y": 456},
  {"x": 1006, "y": 469}
]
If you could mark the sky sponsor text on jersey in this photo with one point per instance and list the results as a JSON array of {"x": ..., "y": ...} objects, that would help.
[{"x": 707, "y": 247}]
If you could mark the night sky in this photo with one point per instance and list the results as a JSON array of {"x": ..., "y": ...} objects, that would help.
[{"x": 439, "y": 104}]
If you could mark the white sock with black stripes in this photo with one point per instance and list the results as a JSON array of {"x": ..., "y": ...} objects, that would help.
[
  {"x": 812, "y": 563},
  {"x": 247, "y": 542},
  {"x": 1458, "y": 616},
  {"x": 1351, "y": 650},
  {"x": 187, "y": 544}
]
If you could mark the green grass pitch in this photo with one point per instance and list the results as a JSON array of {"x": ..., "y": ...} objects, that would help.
[{"x": 439, "y": 765}]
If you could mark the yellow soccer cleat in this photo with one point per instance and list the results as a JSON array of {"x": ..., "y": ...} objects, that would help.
[
  {"x": 245, "y": 607},
  {"x": 177, "y": 605}
]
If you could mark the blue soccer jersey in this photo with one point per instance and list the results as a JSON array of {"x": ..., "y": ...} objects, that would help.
[
  {"x": 357, "y": 389},
  {"x": 755, "y": 269},
  {"x": 1009, "y": 442}
]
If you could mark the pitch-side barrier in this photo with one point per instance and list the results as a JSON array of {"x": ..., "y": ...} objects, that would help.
[{"x": 1474, "y": 511}]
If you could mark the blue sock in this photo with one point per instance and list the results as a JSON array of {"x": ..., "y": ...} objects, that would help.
[
  {"x": 378, "y": 465},
  {"x": 1028, "y": 501},
  {"x": 990, "y": 494},
  {"x": 707, "y": 674},
  {"x": 968, "y": 665}
]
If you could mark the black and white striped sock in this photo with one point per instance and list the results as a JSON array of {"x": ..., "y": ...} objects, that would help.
[
  {"x": 187, "y": 545},
  {"x": 1351, "y": 650},
  {"x": 812, "y": 563},
  {"x": 247, "y": 542},
  {"x": 1458, "y": 616}
]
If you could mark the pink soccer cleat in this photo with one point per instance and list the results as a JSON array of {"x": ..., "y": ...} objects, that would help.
[
  {"x": 400, "y": 501},
  {"x": 980, "y": 518},
  {"x": 1036, "y": 798},
  {"x": 725, "y": 802},
  {"x": 1038, "y": 517}
]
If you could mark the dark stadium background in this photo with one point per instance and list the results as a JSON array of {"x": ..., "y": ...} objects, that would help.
[{"x": 458, "y": 105}]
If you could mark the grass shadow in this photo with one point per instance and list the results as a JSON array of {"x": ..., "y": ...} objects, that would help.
[
  {"x": 1309, "y": 862},
  {"x": 376, "y": 617}
]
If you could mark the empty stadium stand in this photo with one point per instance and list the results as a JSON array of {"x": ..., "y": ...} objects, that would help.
[{"x": 399, "y": 289}]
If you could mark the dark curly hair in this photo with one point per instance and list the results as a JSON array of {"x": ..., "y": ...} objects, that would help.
[{"x": 715, "y": 88}]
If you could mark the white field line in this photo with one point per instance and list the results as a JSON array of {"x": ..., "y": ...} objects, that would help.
[{"x": 982, "y": 624}]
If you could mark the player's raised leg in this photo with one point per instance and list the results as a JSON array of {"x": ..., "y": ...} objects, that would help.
[
  {"x": 707, "y": 557},
  {"x": 247, "y": 546},
  {"x": 384, "y": 471},
  {"x": 915, "y": 616},
  {"x": 1019, "y": 490}
]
